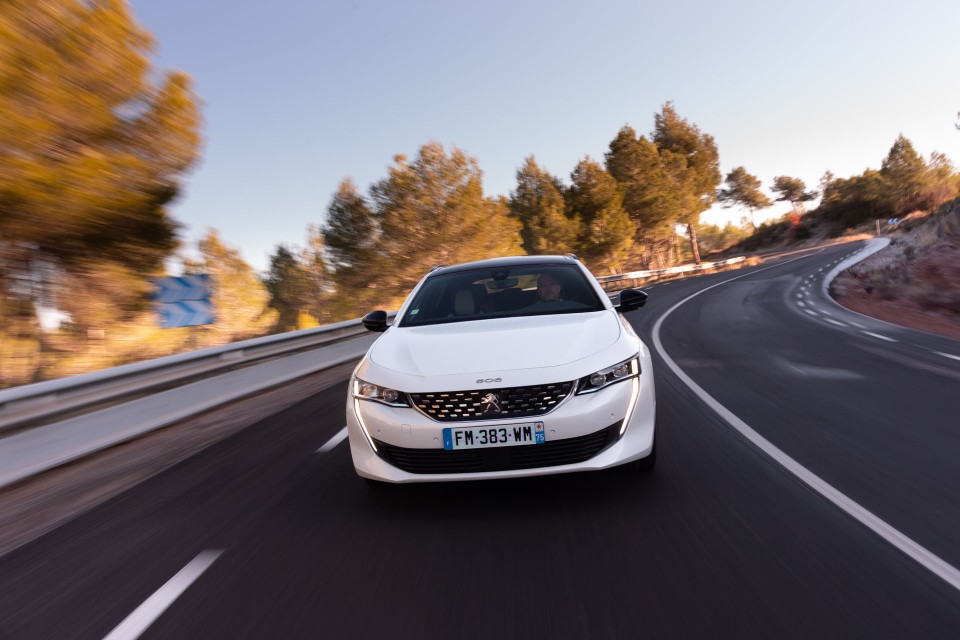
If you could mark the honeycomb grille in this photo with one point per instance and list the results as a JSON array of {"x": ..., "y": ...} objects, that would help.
[{"x": 492, "y": 404}]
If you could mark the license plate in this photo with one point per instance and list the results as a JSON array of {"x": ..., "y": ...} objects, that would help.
[{"x": 493, "y": 436}]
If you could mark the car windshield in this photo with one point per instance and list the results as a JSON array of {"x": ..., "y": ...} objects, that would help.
[{"x": 502, "y": 292}]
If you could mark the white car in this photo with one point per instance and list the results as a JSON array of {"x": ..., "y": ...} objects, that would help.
[{"x": 499, "y": 369}]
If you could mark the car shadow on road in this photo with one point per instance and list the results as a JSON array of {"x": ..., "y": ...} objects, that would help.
[{"x": 582, "y": 491}]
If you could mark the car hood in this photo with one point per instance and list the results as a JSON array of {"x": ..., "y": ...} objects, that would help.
[{"x": 499, "y": 344}]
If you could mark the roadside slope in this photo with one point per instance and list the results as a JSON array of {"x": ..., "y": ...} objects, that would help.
[{"x": 914, "y": 282}]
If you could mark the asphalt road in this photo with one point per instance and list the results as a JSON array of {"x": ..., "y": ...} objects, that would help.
[{"x": 719, "y": 541}]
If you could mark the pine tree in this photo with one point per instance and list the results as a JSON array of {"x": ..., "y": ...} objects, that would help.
[
  {"x": 743, "y": 189},
  {"x": 431, "y": 211},
  {"x": 351, "y": 235},
  {"x": 91, "y": 152},
  {"x": 648, "y": 199},
  {"x": 538, "y": 205},
  {"x": 240, "y": 299},
  {"x": 692, "y": 164},
  {"x": 794, "y": 191},
  {"x": 904, "y": 175},
  {"x": 606, "y": 232},
  {"x": 288, "y": 284},
  {"x": 320, "y": 287}
]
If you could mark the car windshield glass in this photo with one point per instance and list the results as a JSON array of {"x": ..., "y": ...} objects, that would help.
[{"x": 503, "y": 292}]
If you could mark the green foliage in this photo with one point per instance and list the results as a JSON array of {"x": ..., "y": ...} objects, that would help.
[
  {"x": 904, "y": 183},
  {"x": 692, "y": 165},
  {"x": 848, "y": 202},
  {"x": 350, "y": 235},
  {"x": 699, "y": 171},
  {"x": 299, "y": 284},
  {"x": 433, "y": 211},
  {"x": 713, "y": 238},
  {"x": 606, "y": 232},
  {"x": 743, "y": 190},
  {"x": 904, "y": 175},
  {"x": 792, "y": 190},
  {"x": 635, "y": 164},
  {"x": 91, "y": 151},
  {"x": 318, "y": 281},
  {"x": 768, "y": 233},
  {"x": 351, "y": 229},
  {"x": 538, "y": 205},
  {"x": 240, "y": 299},
  {"x": 425, "y": 212},
  {"x": 289, "y": 288}
]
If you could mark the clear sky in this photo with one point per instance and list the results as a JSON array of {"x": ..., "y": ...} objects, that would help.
[{"x": 299, "y": 94}]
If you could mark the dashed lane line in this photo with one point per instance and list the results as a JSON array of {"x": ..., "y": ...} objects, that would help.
[
  {"x": 947, "y": 355},
  {"x": 334, "y": 441},
  {"x": 877, "y": 335},
  {"x": 144, "y": 615}
]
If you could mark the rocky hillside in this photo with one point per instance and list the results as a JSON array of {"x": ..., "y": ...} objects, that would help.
[{"x": 915, "y": 281}]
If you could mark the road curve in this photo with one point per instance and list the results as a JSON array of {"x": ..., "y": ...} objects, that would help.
[{"x": 720, "y": 541}]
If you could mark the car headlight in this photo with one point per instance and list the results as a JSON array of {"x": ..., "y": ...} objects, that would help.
[
  {"x": 611, "y": 375},
  {"x": 369, "y": 391}
]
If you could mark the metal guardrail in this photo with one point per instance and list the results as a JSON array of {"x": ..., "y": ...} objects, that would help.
[
  {"x": 50, "y": 423},
  {"x": 659, "y": 273},
  {"x": 23, "y": 406}
]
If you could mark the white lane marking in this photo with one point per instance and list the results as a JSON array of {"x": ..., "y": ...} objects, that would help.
[
  {"x": 334, "y": 441},
  {"x": 933, "y": 563},
  {"x": 799, "y": 296},
  {"x": 812, "y": 313},
  {"x": 947, "y": 355},
  {"x": 857, "y": 325},
  {"x": 877, "y": 335},
  {"x": 802, "y": 304},
  {"x": 831, "y": 321},
  {"x": 144, "y": 615}
]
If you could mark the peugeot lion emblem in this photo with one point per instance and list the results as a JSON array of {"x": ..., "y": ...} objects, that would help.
[{"x": 490, "y": 404}]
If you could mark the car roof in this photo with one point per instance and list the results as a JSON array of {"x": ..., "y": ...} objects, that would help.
[{"x": 500, "y": 263}]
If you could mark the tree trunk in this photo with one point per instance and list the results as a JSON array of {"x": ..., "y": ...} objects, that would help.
[{"x": 694, "y": 243}]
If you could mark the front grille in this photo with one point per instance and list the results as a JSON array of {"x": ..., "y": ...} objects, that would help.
[
  {"x": 551, "y": 453},
  {"x": 513, "y": 402}
]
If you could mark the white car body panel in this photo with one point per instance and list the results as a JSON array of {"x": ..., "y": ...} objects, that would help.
[
  {"x": 496, "y": 345},
  {"x": 500, "y": 353}
]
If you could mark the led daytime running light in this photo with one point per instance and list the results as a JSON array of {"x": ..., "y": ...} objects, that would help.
[
  {"x": 363, "y": 390},
  {"x": 605, "y": 377}
]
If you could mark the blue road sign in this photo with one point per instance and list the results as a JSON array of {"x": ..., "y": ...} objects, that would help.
[
  {"x": 195, "y": 287},
  {"x": 185, "y": 314},
  {"x": 184, "y": 301}
]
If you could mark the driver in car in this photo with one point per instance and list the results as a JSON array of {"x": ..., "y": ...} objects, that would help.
[{"x": 548, "y": 288}]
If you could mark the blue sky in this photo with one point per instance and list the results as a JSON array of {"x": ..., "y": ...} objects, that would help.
[{"x": 300, "y": 94}]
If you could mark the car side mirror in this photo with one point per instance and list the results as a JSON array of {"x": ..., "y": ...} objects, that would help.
[
  {"x": 375, "y": 320},
  {"x": 631, "y": 299}
]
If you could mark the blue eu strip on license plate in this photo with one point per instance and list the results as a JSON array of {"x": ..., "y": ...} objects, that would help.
[{"x": 502, "y": 435}]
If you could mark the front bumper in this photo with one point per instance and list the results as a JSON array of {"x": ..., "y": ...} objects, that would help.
[{"x": 391, "y": 437}]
